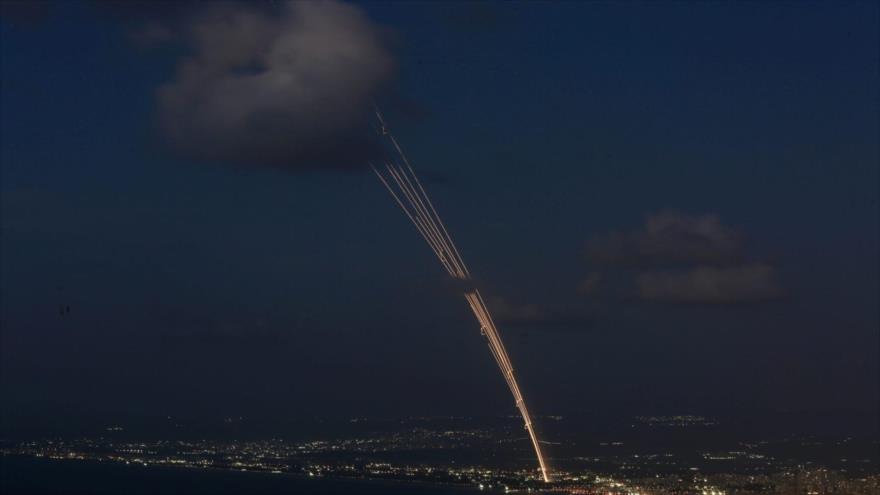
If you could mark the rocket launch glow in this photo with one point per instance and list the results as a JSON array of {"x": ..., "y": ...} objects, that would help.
[{"x": 400, "y": 180}]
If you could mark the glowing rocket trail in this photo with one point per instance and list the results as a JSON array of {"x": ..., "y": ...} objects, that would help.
[{"x": 399, "y": 178}]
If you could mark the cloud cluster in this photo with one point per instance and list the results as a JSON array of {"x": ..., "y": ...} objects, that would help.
[
  {"x": 668, "y": 238},
  {"x": 679, "y": 258},
  {"x": 290, "y": 89},
  {"x": 715, "y": 285}
]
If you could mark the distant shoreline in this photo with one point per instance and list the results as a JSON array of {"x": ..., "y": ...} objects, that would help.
[{"x": 316, "y": 482}]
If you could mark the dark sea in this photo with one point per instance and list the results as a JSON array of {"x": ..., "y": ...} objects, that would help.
[{"x": 26, "y": 475}]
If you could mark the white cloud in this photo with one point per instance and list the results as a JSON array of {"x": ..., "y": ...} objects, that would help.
[
  {"x": 289, "y": 90},
  {"x": 711, "y": 285}
]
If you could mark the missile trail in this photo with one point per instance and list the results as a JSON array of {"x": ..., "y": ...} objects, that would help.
[{"x": 401, "y": 181}]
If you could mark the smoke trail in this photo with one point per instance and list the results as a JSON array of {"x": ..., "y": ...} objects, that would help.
[{"x": 401, "y": 181}]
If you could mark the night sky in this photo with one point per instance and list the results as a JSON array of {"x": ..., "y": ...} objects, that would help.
[{"x": 671, "y": 208}]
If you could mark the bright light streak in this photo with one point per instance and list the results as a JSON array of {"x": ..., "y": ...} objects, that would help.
[{"x": 404, "y": 186}]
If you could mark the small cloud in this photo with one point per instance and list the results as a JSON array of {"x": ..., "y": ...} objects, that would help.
[
  {"x": 711, "y": 285},
  {"x": 679, "y": 258},
  {"x": 668, "y": 238}
]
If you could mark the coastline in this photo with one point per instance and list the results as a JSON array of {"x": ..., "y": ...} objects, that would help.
[{"x": 21, "y": 474}]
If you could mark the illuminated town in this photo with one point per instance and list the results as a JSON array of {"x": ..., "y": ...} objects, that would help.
[{"x": 453, "y": 451}]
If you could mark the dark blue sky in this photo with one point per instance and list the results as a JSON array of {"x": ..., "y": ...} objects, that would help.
[{"x": 198, "y": 288}]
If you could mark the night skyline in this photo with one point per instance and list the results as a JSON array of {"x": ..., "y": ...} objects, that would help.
[{"x": 671, "y": 208}]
